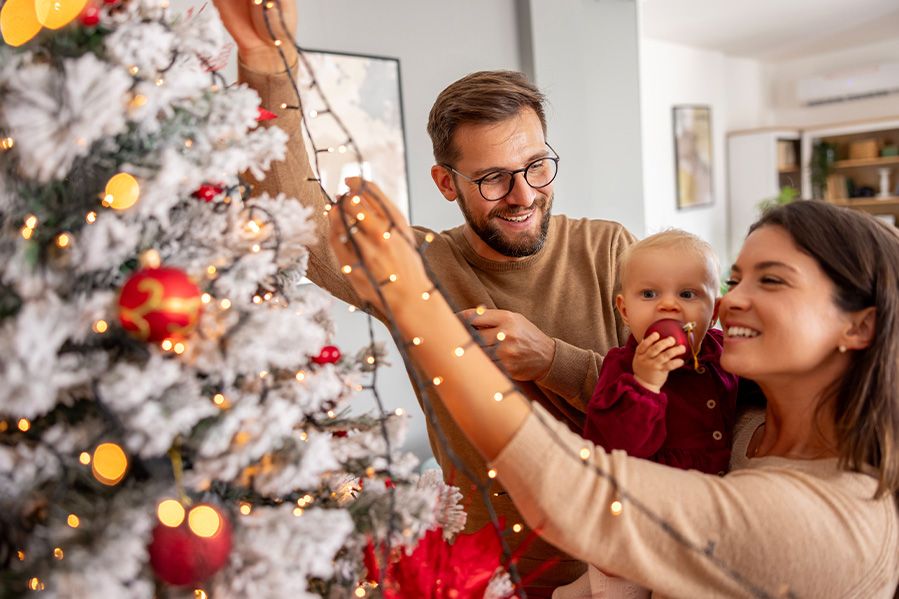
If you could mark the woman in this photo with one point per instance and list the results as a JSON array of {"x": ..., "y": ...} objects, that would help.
[{"x": 809, "y": 510}]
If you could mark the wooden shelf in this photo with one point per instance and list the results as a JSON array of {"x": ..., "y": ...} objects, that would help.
[
  {"x": 888, "y": 205},
  {"x": 788, "y": 171},
  {"x": 881, "y": 161}
]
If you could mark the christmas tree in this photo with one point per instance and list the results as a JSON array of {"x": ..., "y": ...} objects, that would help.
[{"x": 173, "y": 419}]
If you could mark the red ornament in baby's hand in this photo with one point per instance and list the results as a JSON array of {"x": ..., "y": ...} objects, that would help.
[{"x": 668, "y": 327}]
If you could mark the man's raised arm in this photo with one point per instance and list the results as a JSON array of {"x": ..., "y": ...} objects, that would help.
[{"x": 261, "y": 66}]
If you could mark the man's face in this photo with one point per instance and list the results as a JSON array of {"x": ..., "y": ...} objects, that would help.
[{"x": 514, "y": 226}]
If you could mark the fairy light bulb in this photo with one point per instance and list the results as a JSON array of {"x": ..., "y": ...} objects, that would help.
[
  {"x": 84, "y": 458},
  {"x": 35, "y": 584},
  {"x": 204, "y": 521},
  {"x": 179, "y": 348},
  {"x": 26, "y": 232},
  {"x": 91, "y": 217},
  {"x": 200, "y": 594},
  {"x": 24, "y": 425},
  {"x": 170, "y": 512},
  {"x": 109, "y": 464},
  {"x": 18, "y": 24},
  {"x": 54, "y": 14},
  {"x": 63, "y": 240},
  {"x": 6, "y": 143},
  {"x": 359, "y": 592},
  {"x": 167, "y": 345},
  {"x": 101, "y": 326},
  {"x": 31, "y": 221},
  {"x": 73, "y": 521},
  {"x": 58, "y": 553},
  {"x": 122, "y": 192},
  {"x": 245, "y": 508}
]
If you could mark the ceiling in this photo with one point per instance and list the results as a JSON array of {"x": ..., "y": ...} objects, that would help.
[{"x": 771, "y": 29}]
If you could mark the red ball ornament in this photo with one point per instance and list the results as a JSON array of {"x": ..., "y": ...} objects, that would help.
[
  {"x": 265, "y": 115},
  {"x": 90, "y": 16},
  {"x": 668, "y": 327},
  {"x": 193, "y": 549},
  {"x": 328, "y": 355},
  {"x": 207, "y": 193},
  {"x": 159, "y": 303}
]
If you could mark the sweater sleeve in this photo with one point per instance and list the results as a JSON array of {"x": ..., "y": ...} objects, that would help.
[
  {"x": 574, "y": 371},
  {"x": 295, "y": 178},
  {"x": 622, "y": 414},
  {"x": 688, "y": 534}
]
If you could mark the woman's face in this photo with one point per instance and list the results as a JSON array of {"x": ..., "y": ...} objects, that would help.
[{"x": 779, "y": 318}]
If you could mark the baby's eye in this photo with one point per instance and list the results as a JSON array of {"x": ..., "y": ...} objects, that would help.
[
  {"x": 688, "y": 294},
  {"x": 648, "y": 294}
]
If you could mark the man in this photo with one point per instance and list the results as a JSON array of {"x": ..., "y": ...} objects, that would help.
[{"x": 546, "y": 282}]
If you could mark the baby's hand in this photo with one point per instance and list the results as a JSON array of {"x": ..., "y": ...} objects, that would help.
[{"x": 654, "y": 359}]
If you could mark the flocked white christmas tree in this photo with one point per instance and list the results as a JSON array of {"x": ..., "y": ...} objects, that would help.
[{"x": 167, "y": 382}]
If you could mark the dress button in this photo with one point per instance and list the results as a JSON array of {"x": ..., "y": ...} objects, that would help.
[
  {"x": 717, "y": 435},
  {"x": 721, "y": 473},
  {"x": 710, "y": 404}
]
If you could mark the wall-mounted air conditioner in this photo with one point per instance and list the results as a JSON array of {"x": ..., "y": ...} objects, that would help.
[{"x": 866, "y": 82}]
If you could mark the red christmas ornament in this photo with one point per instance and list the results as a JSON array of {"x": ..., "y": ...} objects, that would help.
[
  {"x": 90, "y": 16},
  {"x": 159, "y": 303},
  {"x": 265, "y": 115},
  {"x": 193, "y": 550},
  {"x": 207, "y": 192},
  {"x": 328, "y": 355},
  {"x": 440, "y": 570},
  {"x": 668, "y": 327}
]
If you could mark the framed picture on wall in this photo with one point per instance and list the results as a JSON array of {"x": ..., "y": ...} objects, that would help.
[
  {"x": 693, "y": 155},
  {"x": 364, "y": 93}
]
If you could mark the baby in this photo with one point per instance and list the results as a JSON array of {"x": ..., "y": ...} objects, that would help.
[{"x": 655, "y": 399}]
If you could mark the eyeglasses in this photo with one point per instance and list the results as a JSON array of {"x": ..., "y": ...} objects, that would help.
[{"x": 496, "y": 185}]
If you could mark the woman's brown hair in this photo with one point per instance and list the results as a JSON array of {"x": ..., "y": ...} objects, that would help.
[{"x": 861, "y": 256}]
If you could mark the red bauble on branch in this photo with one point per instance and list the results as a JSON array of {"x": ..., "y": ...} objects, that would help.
[
  {"x": 159, "y": 303},
  {"x": 90, "y": 16},
  {"x": 207, "y": 192},
  {"x": 265, "y": 115},
  {"x": 188, "y": 550},
  {"x": 329, "y": 354}
]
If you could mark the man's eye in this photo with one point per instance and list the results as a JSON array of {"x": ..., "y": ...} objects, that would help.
[
  {"x": 493, "y": 178},
  {"x": 647, "y": 294},
  {"x": 536, "y": 167}
]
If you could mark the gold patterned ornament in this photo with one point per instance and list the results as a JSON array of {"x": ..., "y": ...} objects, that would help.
[{"x": 158, "y": 304}]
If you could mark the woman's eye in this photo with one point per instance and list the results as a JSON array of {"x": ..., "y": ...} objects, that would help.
[
  {"x": 768, "y": 280},
  {"x": 647, "y": 294},
  {"x": 731, "y": 283}
]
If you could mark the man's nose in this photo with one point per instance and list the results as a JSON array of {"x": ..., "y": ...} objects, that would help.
[{"x": 521, "y": 194}]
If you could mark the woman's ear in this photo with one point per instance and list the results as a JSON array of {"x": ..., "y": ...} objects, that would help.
[
  {"x": 861, "y": 330},
  {"x": 715, "y": 312},
  {"x": 443, "y": 179}
]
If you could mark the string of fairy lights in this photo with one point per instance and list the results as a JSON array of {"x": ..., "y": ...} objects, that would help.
[{"x": 623, "y": 496}]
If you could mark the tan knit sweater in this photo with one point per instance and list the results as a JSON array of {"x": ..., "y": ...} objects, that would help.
[
  {"x": 772, "y": 527},
  {"x": 566, "y": 290}
]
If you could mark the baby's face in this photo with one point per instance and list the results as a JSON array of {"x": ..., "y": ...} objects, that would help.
[{"x": 666, "y": 283}]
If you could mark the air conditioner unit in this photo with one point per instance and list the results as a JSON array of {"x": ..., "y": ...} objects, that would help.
[{"x": 867, "y": 82}]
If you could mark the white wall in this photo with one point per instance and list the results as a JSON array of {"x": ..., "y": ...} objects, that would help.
[
  {"x": 584, "y": 56},
  {"x": 781, "y": 77},
  {"x": 672, "y": 74}
]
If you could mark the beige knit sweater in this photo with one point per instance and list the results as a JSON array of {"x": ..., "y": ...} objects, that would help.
[
  {"x": 566, "y": 290},
  {"x": 772, "y": 527}
]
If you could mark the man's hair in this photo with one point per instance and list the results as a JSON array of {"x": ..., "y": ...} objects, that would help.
[
  {"x": 680, "y": 241},
  {"x": 860, "y": 255},
  {"x": 482, "y": 97}
]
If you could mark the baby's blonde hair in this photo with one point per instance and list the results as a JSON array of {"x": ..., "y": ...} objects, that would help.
[{"x": 678, "y": 240}]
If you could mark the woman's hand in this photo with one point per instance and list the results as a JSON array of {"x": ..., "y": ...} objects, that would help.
[
  {"x": 245, "y": 21},
  {"x": 367, "y": 228}
]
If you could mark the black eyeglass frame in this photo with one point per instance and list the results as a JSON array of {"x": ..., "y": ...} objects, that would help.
[{"x": 511, "y": 174}]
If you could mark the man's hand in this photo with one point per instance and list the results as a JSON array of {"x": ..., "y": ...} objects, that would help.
[
  {"x": 654, "y": 359},
  {"x": 525, "y": 351},
  {"x": 245, "y": 21}
]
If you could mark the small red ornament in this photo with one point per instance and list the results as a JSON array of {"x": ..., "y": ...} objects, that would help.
[
  {"x": 265, "y": 115},
  {"x": 668, "y": 327},
  {"x": 181, "y": 557},
  {"x": 328, "y": 355},
  {"x": 159, "y": 303},
  {"x": 90, "y": 16},
  {"x": 207, "y": 192}
]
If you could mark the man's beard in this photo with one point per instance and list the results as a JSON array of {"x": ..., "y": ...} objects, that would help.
[{"x": 491, "y": 234}]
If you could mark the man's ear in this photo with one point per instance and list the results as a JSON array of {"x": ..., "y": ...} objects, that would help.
[
  {"x": 443, "y": 179},
  {"x": 622, "y": 309},
  {"x": 861, "y": 330}
]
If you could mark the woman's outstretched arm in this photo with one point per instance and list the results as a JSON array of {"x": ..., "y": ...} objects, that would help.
[{"x": 680, "y": 533}]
